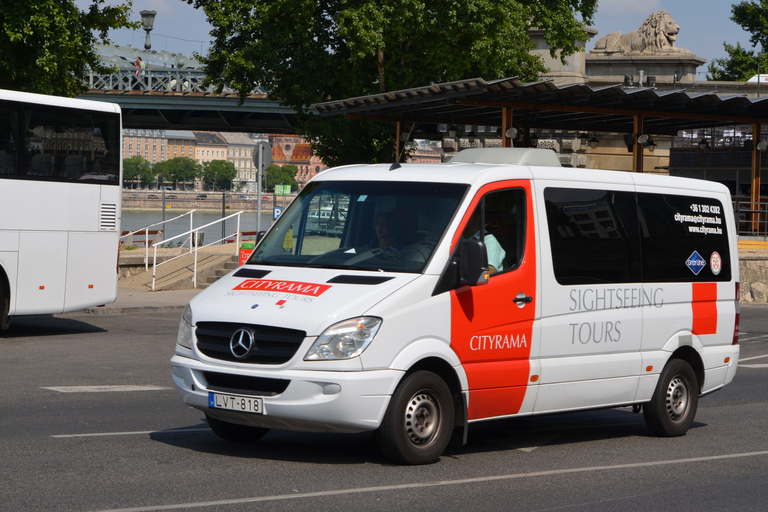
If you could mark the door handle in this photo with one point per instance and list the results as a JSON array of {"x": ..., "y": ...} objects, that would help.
[{"x": 522, "y": 299}]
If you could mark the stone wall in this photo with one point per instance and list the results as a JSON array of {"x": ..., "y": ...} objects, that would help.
[{"x": 753, "y": 270}]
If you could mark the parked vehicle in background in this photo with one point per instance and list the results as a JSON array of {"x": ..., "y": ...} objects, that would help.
[
  {"x": 202, "y": 197},
  {"x": 64, "y": 154},
  {"x": 498, "y": 285}
]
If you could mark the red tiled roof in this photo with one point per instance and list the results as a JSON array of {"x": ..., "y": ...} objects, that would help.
[
  {"x": 301, "y": 153},
  {"x": 277, "y": 153}
]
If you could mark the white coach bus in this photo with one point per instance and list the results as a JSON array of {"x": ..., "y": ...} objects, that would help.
[{"x": 60, "y": 176}]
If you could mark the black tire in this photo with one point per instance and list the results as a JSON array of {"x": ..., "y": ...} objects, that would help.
[
  {"x": 672, "y": 408},
  {"x": 235, "y": 433},
  {"x": 5, "y": 306},
  {"x": 419, "y": 420}
]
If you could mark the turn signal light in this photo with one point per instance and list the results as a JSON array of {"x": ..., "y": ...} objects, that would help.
[
  {"x": 42, "y": 287},
  {"x": 534, "y": 378},
  {"x": 649, "y": 368},
  {"x": 727, "y": 360}
]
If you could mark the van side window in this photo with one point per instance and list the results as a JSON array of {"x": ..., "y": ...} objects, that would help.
[
  {"x": 684, "y": 238},
  {"x": 601, "y": 236},
  {"x": 594, "y": 236},
  {"x": 499, "y": 220}
]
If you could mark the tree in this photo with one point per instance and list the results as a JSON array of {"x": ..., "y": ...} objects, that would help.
[
  {"x": 281, "y": 175},
  {"x": 753, "y": 17},
  {"x": 740, "y": 64},
  {"x": 360, "y": 47},
  {"x": 180, "y": 169},
  {"x": 46, "y": 46},
  {"x": 218, "y": 174},
  {"x": 136, "y": 168}
]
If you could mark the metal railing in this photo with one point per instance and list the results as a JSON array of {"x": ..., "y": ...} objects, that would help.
[
  {"x": 195, "y": 247},
  {"x": 170, "y": 80},
  {"x": 751, "y": 218},
  {"x": 145, "y": 230}
]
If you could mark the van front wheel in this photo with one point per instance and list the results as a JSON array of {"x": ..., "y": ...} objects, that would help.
[
  {"x": 417, "y": 425},
  {"x": 672, "y": 408}
]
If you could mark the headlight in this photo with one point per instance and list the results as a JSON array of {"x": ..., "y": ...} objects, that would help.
[
  {"x": 344, "y": 340},
  {"x": 184, "y": 338}
]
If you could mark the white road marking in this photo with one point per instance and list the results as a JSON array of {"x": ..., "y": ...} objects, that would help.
[
  {"x": 753, "y": 357},
  {"x": 133, "y": 433},
  {"x": 443, "y": 483},
  {"x": 753, "y": 365},
  {"x": 104, "y": 389}
]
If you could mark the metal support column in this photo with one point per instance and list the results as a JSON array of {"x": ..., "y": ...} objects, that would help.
[
  {"x": 756, "y": 157},
  {"x": 506, "y": 123},
  {"x": 637, "y": 148}
]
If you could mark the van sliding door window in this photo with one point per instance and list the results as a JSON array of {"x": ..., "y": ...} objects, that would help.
[{"x": 594, "y": 236}]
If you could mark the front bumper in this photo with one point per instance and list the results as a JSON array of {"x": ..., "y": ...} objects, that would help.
[{"x": 315, "y": 401}]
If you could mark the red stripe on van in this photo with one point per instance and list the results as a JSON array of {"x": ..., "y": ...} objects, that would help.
[
  {"x": 490, "y": 333},
  {"x": 704, "y": 305}
]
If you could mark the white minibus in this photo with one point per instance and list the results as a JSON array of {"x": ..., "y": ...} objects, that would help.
[{"x": 498, "y": 285}]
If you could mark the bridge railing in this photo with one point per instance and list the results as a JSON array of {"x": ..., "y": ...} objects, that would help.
[{"x": 170, "y": 80}]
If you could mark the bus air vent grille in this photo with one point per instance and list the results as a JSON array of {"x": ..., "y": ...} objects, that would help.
[{"x": 108, "y": 217}]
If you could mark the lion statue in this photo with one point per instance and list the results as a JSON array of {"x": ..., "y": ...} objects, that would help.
[{"x": 658, "y": 32}]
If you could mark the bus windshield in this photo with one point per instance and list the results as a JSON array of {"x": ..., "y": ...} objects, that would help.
[{"x": 362, "y": 225}]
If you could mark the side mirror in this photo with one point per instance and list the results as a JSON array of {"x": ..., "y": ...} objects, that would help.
[{"x": 473, "y": 263}]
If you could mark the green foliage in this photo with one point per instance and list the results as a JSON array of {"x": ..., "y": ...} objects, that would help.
[
  {"x": 753, "y": 17},
  {"x": 180, "y": 169},
  {"x": 281, "y": 175},
  {"x": 309, "y": 51},
  {"x": 136, "y": 168},
  {"x": 218, "y": 174},
  {"x": 46, "y": 46},
  {"x": 740, "y": 65}
]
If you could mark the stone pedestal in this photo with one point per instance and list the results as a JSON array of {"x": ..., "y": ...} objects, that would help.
[{"x": 612, "y": 67}]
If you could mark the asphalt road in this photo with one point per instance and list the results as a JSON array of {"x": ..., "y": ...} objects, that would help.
[{"x": 90, "y": 421}]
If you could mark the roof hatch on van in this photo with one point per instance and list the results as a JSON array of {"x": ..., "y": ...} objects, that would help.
[{"x": 519, "y": 156}]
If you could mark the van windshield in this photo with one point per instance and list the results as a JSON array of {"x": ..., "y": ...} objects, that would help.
[{"x": 362, "y": 225}]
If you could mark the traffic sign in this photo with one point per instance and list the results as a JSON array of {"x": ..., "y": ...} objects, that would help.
[{"x": 262, "y": 155}]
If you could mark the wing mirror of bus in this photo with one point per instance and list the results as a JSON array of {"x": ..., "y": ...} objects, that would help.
[{"x": 473, "y": 263}]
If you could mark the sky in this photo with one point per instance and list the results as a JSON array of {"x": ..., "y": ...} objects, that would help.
[{"x": 704, "y": 25}]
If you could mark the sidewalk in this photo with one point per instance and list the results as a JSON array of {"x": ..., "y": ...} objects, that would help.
[{"x": 132, "y": 301}]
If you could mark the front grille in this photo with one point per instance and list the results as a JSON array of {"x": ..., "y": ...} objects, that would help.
[
  {"x": 242, "y": 385},
  {"x": 273, "y": 345}
]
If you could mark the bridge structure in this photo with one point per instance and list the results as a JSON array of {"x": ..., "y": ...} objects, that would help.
[{"x": 172, "y": 95}]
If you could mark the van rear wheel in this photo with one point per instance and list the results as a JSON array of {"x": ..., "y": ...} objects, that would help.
[
  {"x": 417, "y": 425},
  {"x": 234, "y": 432},
  {"x": 672, "y": 408}
]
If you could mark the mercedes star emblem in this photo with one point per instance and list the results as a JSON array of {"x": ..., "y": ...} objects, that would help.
[{"x": 241, "y": 343}]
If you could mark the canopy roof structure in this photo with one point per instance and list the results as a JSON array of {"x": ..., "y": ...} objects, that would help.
[
  {"x": 545, "y": 105},
  {"x": 509, "y": 103}
]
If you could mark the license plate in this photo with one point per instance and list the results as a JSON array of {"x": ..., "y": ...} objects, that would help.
[{"x": 239, "y": 403}]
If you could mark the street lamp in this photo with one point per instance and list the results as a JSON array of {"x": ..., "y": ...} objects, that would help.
[{"x": 148, "y": 18}]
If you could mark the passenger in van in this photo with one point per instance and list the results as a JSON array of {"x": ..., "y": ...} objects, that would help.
[{"x": 496, "y": 252}]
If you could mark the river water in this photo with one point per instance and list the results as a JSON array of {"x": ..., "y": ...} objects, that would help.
[{"x": 136, "y": 219}]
